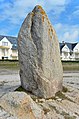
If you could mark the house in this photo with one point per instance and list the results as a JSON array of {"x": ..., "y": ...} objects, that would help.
[
  {"x": 69, "y": 51},
  {"x": 8, "y": 48},
  {"x": 76, "y": 52}
]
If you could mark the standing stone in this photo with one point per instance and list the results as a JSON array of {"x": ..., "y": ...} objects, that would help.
[{"x": 39, "y": 56}]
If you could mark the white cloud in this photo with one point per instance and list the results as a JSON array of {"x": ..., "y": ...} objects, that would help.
[
  {"x": 58, "y": 26},
  {"x": 57, "y": 2},
  {"x": 71, "y": 36},
  {"x": 3, "y": 31},
  {"x": 67, "y": 33},
  {"x": 18, "y": 9},
  {"x": 76, "y": 13}
]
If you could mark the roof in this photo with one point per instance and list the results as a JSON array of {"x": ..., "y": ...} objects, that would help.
[
  {"x": 61, "y": 45},
  {"x": 1, "y": 37},
  {"x": 12, "y": 40},
  {"x": 70, "y": 45},
  {"x": 14, "y": 47}
]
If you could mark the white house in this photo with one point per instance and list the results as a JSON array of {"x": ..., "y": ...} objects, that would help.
[
  {"x": 69, "y": 51},
  {"x": 65, "y": 52},
  {"x": 8, "y": 48},
  {"x": 76, "y": 52}
]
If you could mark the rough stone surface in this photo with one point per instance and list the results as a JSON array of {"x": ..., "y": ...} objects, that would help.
[
  {"x": 21, "y": 106},
  {"x": 59, "y": 107},
  {"x": 39, "y": 56},
  {"x": 5, "y": 115}
]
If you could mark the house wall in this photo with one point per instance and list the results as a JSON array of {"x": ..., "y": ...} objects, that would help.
[
  {"x": 76, "y": 52},
  {"x": 15, "y": 54},
  {"x": 5, "y": 48},
  {"x": 69, "y": 54},
  {"x": 65, "y": 53},
  {"x": 7, "y": 51}
]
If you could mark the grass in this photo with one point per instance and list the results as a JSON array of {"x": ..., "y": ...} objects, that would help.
[
  {"x": 9, "y": 64},
  {"x": 70, "y": 65},
  {"x": 61, "y": 95},
  {"x": 67, "y": 65},
  {"x": 64, "y": 89},
  {"x": 20, "y": 89}
]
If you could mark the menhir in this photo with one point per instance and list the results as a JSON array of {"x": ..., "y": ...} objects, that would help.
[{"x": 39, "y": 56}]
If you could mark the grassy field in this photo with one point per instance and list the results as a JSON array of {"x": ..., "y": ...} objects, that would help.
[
  {"x": 15, "y": 65},
  {"x": 70, "y": 65},
  {"x": 9, "y": 65}
]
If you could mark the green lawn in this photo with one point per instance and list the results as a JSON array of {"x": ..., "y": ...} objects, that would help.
[
  {"x": 70, "y": 65},
  {"x": 15, "y": 65},
  {"x": 9, "y": 64}
]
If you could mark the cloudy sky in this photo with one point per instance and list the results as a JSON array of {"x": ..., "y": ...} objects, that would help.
[{"x": 63, "y": 14}]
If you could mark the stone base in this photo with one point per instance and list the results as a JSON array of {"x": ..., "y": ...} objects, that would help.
[{"x": 45, "y": 88}]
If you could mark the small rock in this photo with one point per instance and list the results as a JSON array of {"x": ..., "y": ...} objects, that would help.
[
  {"x": 20, "y": 105},
  {"x": 50, "y": 100},
  {"x": 59, "y": 99},
  {"x": 36, "y": 100},
  {"x": 41, "y": 100}
]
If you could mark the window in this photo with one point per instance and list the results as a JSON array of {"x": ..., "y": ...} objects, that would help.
[
  {"x": 15, "y": 45},
  {"x": 76, "y": 55},
  {"x": 66, "y": 54},
  {"x": 3, "y": 52},
  {"x": 4, "y": 43}
]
